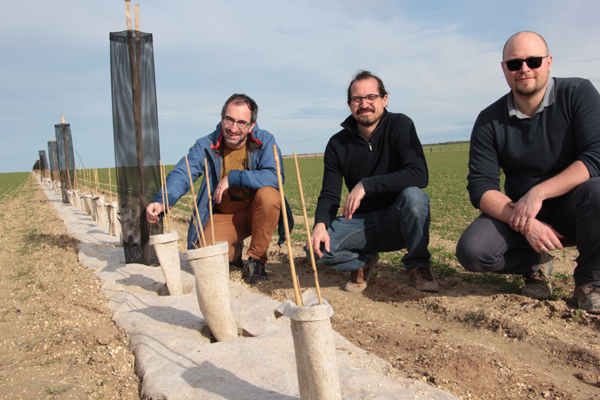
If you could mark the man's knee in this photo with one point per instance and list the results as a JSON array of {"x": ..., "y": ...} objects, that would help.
[
  {"x": 413, "y": 201},
  {"x": 468, "y": 253},
  {"x": 268, "y": 196},
  {"x": 590, "y": 190}
]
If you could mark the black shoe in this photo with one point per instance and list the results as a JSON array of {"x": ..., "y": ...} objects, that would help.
[
  {"x": 255, "y": 271},
  {"x": 587, "y": 297},
  {"x": 537, "y": 284}
]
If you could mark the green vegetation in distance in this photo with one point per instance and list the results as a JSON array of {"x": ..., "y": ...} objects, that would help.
[{"x": 11, "y": 183}]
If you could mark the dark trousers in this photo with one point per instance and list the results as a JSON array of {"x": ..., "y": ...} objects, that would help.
[{"x": 489, "y": 245}]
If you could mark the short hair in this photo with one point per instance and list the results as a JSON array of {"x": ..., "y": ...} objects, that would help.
[
  {"x": 361, "y": 75},
  {"x": 518, "y": 33},
  {"x": 239, "y": 99}
]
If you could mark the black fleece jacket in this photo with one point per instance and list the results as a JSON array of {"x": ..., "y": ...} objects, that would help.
[{"x": 392, "y": 161}]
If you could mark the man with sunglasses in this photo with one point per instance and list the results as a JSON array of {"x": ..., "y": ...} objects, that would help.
[
  {"x": 379, "y": 157},
  {"x": 243, "y": 178},
  {"x": 545, "y": 136}
]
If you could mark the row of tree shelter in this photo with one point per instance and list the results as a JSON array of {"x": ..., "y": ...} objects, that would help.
[{"x": 139, "y": 178}]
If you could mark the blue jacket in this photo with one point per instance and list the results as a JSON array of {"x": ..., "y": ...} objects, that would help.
[{"x": 263, "y": 172}]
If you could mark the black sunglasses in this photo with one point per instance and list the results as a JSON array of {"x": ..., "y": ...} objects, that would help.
[{"x": 517, "y": 63}]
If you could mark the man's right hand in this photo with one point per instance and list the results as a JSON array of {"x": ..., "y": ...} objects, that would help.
[
  {"x": 319, "y": 235},
  {"x": 153, "y": 211}
]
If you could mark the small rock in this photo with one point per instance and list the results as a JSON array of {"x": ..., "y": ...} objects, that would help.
[{"x": 585, "y": 376}]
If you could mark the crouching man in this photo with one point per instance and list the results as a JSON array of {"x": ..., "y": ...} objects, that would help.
[
  {"x": 545, "y": 135},
  {"x": 246, "y": 201},
  {"x": 379, "y": 157}
]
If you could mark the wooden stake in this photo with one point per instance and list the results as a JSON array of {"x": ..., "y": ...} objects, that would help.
[
  {"x": 297, "y": 296},
  {"x": 97, "y": 184},
  {"x": 109, "y": 185},
  {"x": 62, "y": 118},
  {"x": 162, "y": 186},
  {"x": 128, "y": 14},
  {"x": 137, "y": 17},
  {"x": 310, "y": 247},
  {"x": 212, "y": 224},
  {"x": 168, "y": 209},
  {"x": 199, "y": 223}
]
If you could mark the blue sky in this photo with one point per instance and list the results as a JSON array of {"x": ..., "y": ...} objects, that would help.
[{"x": 439, "y": 60}]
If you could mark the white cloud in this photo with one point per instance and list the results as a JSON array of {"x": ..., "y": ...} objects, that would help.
[{"x": 440, "y": 62}]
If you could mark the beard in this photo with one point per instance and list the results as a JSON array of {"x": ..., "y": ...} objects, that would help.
[
  {"x": 530, "y": 90},
  {"x": 234, "y": 142},
  {"x": 369, "y": 119}
]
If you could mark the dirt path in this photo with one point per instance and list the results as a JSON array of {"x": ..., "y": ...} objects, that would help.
[
  {"x": 56, "y": 334},
  {"x": 477, "y": 338}
]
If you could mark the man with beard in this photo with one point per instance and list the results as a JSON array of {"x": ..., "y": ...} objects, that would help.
[
  {"x": 545, "y": 135},
  {"x": 246, "y": 201},
  {"x": 379, "y": 157}
]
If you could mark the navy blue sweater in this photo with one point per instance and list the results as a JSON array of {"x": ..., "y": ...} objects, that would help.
[{"x": 532, "y": 150}]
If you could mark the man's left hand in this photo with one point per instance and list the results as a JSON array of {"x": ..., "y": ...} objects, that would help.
[
  {"x": 543, "y": 237},
  {"x": 524, "y": 211},
  {"x": 221, "y": 189},
  {"x": 353, "y": 200}
]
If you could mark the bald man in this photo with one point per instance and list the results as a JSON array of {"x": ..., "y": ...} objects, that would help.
[{"x": 545, "y": 135}]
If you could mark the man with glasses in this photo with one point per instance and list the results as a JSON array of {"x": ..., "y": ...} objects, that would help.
[
  {"x": 379, "y": 157},
  {"x": 243, "y": 178},
  {"x": 545, "y": 135}
]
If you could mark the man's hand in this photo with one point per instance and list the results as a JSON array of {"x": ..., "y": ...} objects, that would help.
[
  {"x": 525, "y": 210},
  {"x": 319, "y": 235},
  {"x": 152, "y": 212},
  {"x": 353, "y": 201},
  {"x": 221, "y": 189},
  {"x": 543, "y": 237}
]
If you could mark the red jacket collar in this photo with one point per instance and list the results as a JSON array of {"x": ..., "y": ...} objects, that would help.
[{"x": 250, "y": 136}]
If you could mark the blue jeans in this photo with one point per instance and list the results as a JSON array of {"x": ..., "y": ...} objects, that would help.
[
  {"x": 489, "y": 245},
  {"x": 404, "y": 224}
]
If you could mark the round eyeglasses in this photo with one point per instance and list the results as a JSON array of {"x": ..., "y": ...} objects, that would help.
[
  {"x": 228, "y": 122},
  {"x": 370, "y": 98}
]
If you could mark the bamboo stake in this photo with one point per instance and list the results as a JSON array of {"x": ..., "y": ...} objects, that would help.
[
  {"x": 96, "y": 179},
  {"x": 195, "y": 206},
  {"x": 137, "y": 17},
  {"x": 297, "y": 296},
  {"x": 168, "y": 209},
  {"x": 212, "y": 224},
  {"x": 128, "y": 14},
  {"x": 310, "y": 247},
  {"x": 109, "y": 185},
  {"x": 162, "y": 185}
]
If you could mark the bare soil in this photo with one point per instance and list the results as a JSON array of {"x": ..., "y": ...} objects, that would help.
[
  {"x": 56, "y": 334},
  {"x": 477, "y": 339},
  {"x": 474, "y": 339}
]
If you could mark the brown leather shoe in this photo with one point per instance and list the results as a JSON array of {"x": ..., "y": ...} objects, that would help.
[
  {"x": 422, "y": 279},
  {"x": 537, "y": 284},
  {"x": 587, "y": 297},
  {"x": 359, "y": 279}
]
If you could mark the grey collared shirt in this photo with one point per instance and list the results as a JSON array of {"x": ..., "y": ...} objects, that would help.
[{"x": 546, "y": 101}]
